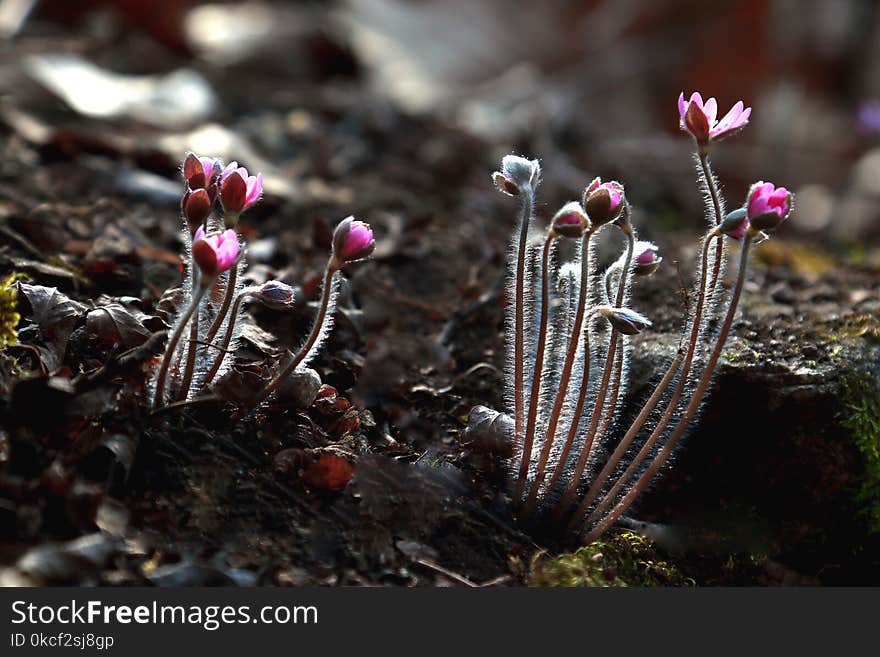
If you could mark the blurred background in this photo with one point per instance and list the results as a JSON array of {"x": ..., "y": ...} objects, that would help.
[{"x": 589, "y": 86}]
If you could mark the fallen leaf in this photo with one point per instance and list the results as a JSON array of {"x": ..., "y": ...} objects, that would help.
[{"x": 328, "y": 472}]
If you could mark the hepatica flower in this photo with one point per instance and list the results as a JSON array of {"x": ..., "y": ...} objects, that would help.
[
  {"x": 700, "y": 119},
  {"x": 627, "y": 321},
  {"x": 517, "y": 173},
  {"x": 647, "y": 258},
  {"x": 571, "y": 220},
  {"x": 215, "y": 252},
  {"x": 352, "y": 240},
  {"x": 199, "y": 172},
  {"x": 238, "y": 189},
  {"x": 768, "y": 206},
  {"x": 603, "y": 201}
]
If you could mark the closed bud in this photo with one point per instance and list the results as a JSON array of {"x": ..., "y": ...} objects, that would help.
[
  {"x": 768, "y": 206},
  {"x": 647, "y": 258},
  {"x": 274, "y": 294},
  {"x": 196, "y": 206},
  {"x": 627, "y": 321},
  {"x": 603, "y": 202},
  {"x": 352, "y": 240},
  {"x": 570, "y": 221},
  {"x": 735, "y": 224},
  {"x": 516, "y": 174}
]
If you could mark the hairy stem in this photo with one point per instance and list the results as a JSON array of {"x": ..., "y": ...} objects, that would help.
[
  {"x": 709, "y": 181},
  {"x": 326, "y": 293},
  {"x": 633, "y": 431},
  {"x": 227, "y": 338},
  {"x": 692, "y": 407},
  {"x": 528, "y": 202},
  {"x": 568, "y": 365},
  {"x": 539, "y": 354},
  {"x": 198, "y": 293},
  {"x": 231, "y": 282},
  {"x": 586, "y": 449},
  {"x": 191, "y": 348},
  {"x": 673, "y": 400}
]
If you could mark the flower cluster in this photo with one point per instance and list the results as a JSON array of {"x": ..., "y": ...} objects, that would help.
[
  {"x": 213, "y": 294},
  {"x": 567, "y": 356}
]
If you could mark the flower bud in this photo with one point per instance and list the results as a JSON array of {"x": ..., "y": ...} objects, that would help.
[
  {"x": 627, "y": 321},
  {"x": 352, "y": 240},
  {"x": 570, "y": 221},
  {"x": 196, "y": 206},
  {"x": 603, "y": 202},
  {"x": 215, "y": 252},
  {"x": 516, "y": 174},
  {"x": 768, "y": 206},
  {"x": 647, "y": 258},
  {"x": 735, "y": 224},
  {"x": 238, "y": 191},
  {"x": 199, "y": 172},
  {"x": 274, "y": 294}
]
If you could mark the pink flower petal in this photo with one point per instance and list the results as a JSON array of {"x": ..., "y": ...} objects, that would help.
[{"x": 711, "y": 111}]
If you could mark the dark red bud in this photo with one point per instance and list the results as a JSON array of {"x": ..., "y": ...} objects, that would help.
[
  {"x": 233, "y": 192},
  {"x": 196, "y": 207},
  {"x": 205, "y": 257},
  {"x": 697, "y": 123}
]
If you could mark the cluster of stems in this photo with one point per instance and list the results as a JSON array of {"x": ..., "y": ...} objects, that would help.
[
  {"x": 214, "y": 295},
  {"x": 569, "y": 332}
]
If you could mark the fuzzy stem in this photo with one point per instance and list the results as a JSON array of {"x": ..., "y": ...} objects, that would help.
[
  {"x": 568, "y": 365},
  {"x": 326, "y": 293},
  {"x": 673, "y": 401},
  {"x": 709, "y": 180},
  {"x": 692, "y": 407},
  {"x": 191, "y": 348},
  {"x": 227, "y": 338},
  {"x": 528, "y": 203},
  {"x": 231, "y": 282},
  {"x": 572, "y": 487},
  {"x": 175, "y": 339},
  {"x": 539, "y": 354},
  {"x": 621, "y": 449}
]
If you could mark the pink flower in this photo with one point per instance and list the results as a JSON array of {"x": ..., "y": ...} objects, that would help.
[
  {"x": 199, "y": 172},
  {"x": 352, "y": 240},
  {"x": 603, "y": 202},
  {"x": 238, "y": 190},
  {"x": 571, "y": 220},
  {"x": 215, "y": 252},
  {"x": 768, "y": 205},
  {"x": 647, "y": 258},
  {"x": 700, "y": 119}
]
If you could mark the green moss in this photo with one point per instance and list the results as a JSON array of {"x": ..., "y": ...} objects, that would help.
[
  {"x": 861, "y": 416},
  {"x": 624, "y": 559},
  {"x": 9, "y": 316}
]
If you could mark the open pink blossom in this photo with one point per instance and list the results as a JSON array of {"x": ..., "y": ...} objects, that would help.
[
  {"x": 768, "y": 205},
  {"x": 238, "y": 190},
  {"x": 352, "y": 240},
  {"x": 215, "y": 252},
  {"x": 700, "y": 119}
]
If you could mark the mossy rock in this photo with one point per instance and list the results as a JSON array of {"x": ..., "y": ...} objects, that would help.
[{"x": 624, "y": 559}]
